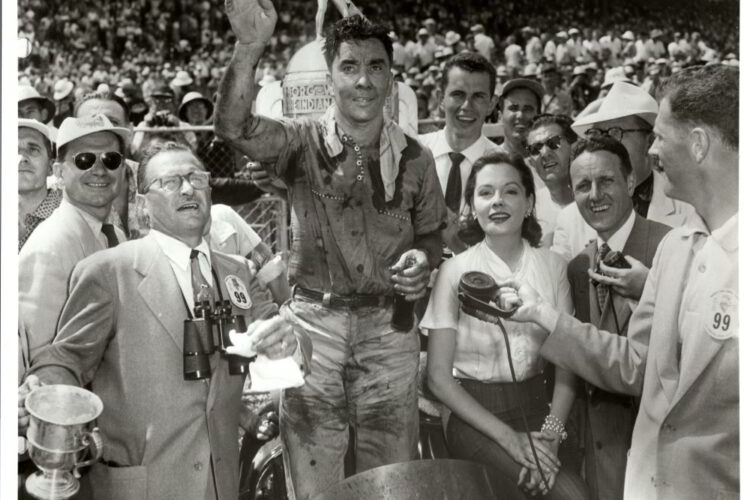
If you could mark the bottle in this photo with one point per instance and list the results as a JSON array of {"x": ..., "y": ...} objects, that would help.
[{"x": 403, "y": 310}]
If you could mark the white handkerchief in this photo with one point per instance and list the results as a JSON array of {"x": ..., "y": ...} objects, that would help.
[{"x": 271, "y": 374}]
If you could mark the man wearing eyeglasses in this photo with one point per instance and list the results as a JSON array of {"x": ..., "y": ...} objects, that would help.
[
  {"x": 626, "y": 114},
  {"x": 121, "y": 332},
  {"x": 89, "y": 164}
]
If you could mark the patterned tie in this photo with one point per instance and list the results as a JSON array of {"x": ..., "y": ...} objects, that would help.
[
  {"x": 201, "y": 288},
  {"x": 109, "y": 232},
  {"x": 602, "y": 290},
  {"x": 453, "y": 189}
]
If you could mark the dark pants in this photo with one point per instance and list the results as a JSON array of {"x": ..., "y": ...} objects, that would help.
[{"x": 502, "y": 399}]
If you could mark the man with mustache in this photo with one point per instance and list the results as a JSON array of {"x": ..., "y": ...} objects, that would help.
[{"x": 367, "y": 215}]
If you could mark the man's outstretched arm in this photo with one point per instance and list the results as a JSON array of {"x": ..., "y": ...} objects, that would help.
[{"x": 260, "y": 138}]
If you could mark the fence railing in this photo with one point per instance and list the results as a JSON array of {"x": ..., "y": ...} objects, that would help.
[{"x": 268, "y": 215}]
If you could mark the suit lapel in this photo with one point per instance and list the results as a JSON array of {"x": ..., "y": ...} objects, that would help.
[
  {"x": 159, "y": 288},
  {"x": 89, "y": 241}
]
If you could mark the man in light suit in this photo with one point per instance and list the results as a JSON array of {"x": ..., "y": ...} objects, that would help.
[
  {"x": 602, "y": 181},
  {"x": 90, "y": 164},
  {"x": 121, "y": 331},
  {"x": 681, "y": 352},
  {"x": 627, "y": 114}
]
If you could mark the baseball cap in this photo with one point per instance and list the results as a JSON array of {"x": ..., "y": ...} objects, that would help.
[
  {"x": 523, "y": 83},
  {"x": 75, "y": 128},
  {"x": 38, "y": 126},
  {"x": 29, "y": 93}
]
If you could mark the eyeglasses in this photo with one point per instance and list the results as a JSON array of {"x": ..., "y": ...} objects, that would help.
[
  {"x": 171, "y": 183},
  {"x": 552, "y": 143},
  {"x": 110, "y": 159},
  {"x": 614, "y": 132}
]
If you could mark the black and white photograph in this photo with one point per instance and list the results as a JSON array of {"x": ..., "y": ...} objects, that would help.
[{"x": 383, "y": 250}]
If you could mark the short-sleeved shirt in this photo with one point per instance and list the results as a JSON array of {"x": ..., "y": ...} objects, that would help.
[
  {"x": 44, "y": 210},
  {"x": 480, "y": 347},
  {"x": 367, "y": 234}
]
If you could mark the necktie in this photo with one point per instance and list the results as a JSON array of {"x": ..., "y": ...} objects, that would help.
[
  {"x": 601, "y": 290},
  {"x": 453, "y": 189},
  {"x": 109, "y": 232},
  {"x": 201, "y": 288}
]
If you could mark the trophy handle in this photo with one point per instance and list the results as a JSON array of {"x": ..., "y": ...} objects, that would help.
[{"x": 94, "y": 441}]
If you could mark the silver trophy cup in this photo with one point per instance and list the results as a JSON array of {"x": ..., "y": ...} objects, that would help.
[{"x": 59, "y": 437}]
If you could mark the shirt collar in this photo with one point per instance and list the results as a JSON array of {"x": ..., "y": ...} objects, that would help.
[
  {"x": 177, "y": 251},
  {"x": 94, "y": 223},
  {"x": 472, "y": 153},
  {"x": 48, "y": 205},
  {"x": 725, "y": 235},
  {"x": 617, "y": 241},
  {"x": 392, "y": 145}
]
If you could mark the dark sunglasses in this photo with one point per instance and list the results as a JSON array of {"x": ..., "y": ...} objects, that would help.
[
  {"x": 553, "y": 143},
  {"x": 110, "y": 159}
]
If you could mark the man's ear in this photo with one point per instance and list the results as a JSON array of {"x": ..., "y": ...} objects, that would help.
[
  {"x": 700, "y": 143},
  {"x": 630, "y": 179},
  {"x": 329, "y": 84},
  {"x": 141, "y": 206},
  {"x": 57, "y": 169}
]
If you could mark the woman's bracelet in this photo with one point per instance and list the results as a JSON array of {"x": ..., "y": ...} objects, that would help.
[{"x": 554, "y": 424}]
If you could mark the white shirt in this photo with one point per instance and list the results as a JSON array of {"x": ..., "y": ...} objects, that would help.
[
  {"x": 547, "y": 211},
  {"x": 480, "y": 347},
  {"x": 96, "y": 226},
  {"x": 709, "y": 302},
  {"x": 437, "y": 143},
  {"x": 617, "y": 241},
  {"x": 178, "y": 254}
]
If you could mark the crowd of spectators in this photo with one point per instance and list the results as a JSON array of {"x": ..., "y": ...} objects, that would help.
[{"x": 138, "y": 45}]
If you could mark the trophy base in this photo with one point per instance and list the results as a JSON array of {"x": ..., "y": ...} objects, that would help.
[{"x": 54, "y": 485}]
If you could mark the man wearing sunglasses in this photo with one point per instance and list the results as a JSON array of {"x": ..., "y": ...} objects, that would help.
[
  {"x": 626, "y": 114},
  {"x": 90, "y": 166},
  {"x": 121, "y": 332},
  {"x": 550, "y": 141}
]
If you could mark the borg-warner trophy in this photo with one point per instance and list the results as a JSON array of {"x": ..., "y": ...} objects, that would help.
[{"x": 59, "y": 437}]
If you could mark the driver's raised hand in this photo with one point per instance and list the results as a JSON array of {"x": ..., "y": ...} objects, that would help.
[{"x": 253, "y": 21}]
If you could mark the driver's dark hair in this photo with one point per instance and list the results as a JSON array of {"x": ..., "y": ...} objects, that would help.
[{"x": 355, "y": 28}]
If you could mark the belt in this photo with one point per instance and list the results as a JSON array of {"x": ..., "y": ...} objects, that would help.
[{"x": 351, "y": 301}]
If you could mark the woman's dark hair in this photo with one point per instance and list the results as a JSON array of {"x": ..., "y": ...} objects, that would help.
[{"x": 471, "y": 232}]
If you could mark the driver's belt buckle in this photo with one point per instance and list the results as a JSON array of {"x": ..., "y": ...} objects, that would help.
[{"x": 327, "y": 299}]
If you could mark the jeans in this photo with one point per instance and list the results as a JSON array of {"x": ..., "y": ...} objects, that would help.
[{"x": 363, "y": 376}]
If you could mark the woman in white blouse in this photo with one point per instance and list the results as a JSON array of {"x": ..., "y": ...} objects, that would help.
[{"x": 468, "y": 367}]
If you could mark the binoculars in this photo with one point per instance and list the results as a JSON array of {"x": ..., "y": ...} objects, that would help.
[{"x": 207, "y": 333}]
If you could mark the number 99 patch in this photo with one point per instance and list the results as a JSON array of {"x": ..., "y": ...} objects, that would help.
[
  {"x": 721, "y": 320},
  {"x": 237, "y": 292}
]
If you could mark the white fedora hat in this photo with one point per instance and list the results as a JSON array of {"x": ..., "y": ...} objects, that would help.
[
  {"x": 622, "y": 100},
  {"x": 75, "y": 128}
]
